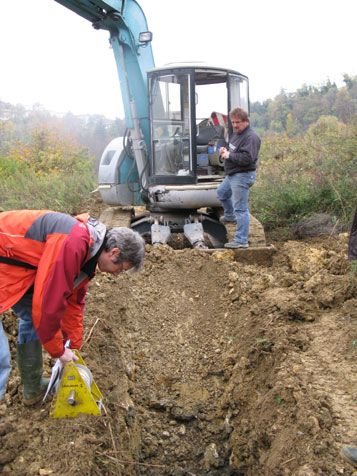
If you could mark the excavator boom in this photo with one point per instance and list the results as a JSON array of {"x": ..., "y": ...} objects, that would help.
[{"x": 100, "y": 14}]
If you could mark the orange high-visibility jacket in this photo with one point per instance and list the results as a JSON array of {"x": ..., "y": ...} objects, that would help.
[{"x": 54, "y": 247}]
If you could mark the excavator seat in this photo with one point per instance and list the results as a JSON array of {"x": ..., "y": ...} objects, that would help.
[{"x": 209, "y": 133}]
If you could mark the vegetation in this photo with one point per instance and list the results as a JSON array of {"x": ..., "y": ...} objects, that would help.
[
  {"x": 50, "y": 172},
  {"x": 93, "y": 132},
  {"x": 307, "y": 162},
  {"x": 42, "y": 164},
  {"x": 310, "y": 173},
  {"x": 293, "y": 113}
]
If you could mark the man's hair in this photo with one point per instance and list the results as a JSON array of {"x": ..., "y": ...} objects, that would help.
[
  {"x": 239, "y": 113},
  {"x": 130, "y": 244}
]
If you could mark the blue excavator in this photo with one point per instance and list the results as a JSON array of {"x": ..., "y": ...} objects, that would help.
[{"x": 167, "y": 164}]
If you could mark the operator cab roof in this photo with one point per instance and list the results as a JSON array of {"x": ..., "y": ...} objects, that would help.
[{"x": 204, "y": 73}]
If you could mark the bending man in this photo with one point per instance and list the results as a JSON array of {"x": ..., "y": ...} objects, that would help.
[
  {"x": 46, "y": 261},
  {"x": 240, "y": 163}
]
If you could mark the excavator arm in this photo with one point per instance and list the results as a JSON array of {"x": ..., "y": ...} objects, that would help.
[
  {"x": 103, "y": 15},
  {"x": 131, "y": 43},
  {"x": 130, "y": 39}
]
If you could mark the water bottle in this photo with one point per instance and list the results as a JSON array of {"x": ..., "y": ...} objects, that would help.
[{"x": 210, "y": 148}]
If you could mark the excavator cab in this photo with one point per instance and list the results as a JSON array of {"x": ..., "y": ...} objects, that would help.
[
  {"x": 185, "y": 129},
  {"x": 188, "y": 122},
  {"x": 178, "y": 175},
  {"x": 170, "y": 160}
]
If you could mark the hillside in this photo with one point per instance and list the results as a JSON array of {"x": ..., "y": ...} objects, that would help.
[{"x": 208, "y": 366}]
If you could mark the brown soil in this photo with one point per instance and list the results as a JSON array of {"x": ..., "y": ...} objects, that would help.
[{"x": 208, "y": 366}]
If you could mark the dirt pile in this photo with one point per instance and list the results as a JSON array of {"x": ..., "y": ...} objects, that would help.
[{"x": 208, "y": 366}]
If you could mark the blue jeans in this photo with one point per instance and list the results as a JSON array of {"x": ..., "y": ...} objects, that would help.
[
  {"x": 233, "y": 193},
  {"x": 26, "y": 333},
  {"x": 23, "y": 309}
]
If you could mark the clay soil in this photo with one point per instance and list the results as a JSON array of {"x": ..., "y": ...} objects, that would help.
[{"x": 208, "y": 366}]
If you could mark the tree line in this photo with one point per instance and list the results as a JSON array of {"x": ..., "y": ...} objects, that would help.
[
  {"x": 20, "y": 125},
  {"x": 293, "y": 113},
  {"x": 288, "y": 113}
]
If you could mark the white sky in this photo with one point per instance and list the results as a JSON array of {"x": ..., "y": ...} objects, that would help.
[{"x": 51, "y": 56}]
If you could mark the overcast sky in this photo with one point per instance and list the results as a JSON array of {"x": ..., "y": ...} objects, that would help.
[{"x": 51, "y": 56}]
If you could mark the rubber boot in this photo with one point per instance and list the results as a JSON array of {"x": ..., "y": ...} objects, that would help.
[{"x": 29, "y": 361}]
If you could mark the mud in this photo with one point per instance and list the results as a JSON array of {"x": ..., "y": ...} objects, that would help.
[{"x": 208, "y": 366}]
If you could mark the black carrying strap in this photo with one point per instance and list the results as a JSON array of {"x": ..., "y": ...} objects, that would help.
[
  {"x": 15, "y": 262},
  {"x": 88, "y": 268}
]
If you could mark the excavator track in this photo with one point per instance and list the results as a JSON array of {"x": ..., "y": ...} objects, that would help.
[
  {"x": 258, "y": 251},
  {"x": 117, "y": 216},
  {"x": 256, "y": 238}
]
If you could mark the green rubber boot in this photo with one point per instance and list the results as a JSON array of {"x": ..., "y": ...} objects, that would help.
[{"x": 29, "y": 361}]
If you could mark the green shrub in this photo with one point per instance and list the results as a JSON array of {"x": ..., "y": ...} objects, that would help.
[
  {"x": 312, "y": 173},
  {"x": 49, "y": 171},
  {"x": 21, "y": 187},
  {"x": 9, "y": 167},
  {"x": 52, "y": 192}
]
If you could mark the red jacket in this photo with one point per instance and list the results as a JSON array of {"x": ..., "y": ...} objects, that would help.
[{"x": 57, "y": 246}]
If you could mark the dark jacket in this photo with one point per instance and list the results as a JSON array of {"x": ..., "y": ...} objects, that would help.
[{"x": 243, "y": 152}]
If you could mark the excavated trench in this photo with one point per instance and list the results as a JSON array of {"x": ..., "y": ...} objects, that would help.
[{"x": 208, "y": 366}]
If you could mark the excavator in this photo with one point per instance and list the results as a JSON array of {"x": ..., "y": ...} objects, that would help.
[{"x": 167, "y": 164}]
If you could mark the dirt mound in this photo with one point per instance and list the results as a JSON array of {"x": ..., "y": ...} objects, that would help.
[{"x": 208, "y": 366}]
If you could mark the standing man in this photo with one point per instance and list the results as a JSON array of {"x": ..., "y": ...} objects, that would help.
[
  {"x": 46, "y": 261},
  {"x": 240, "y": 163}
]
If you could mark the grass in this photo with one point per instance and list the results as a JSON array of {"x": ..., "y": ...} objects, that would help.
[
  {"x": 58, "y": 192},
  {"x": 298, "y": 177}
]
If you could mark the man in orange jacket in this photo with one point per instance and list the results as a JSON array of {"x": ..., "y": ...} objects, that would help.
[{"x": 46, "y": 261}]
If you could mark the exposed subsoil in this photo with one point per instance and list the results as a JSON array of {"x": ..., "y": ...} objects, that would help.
[{"x": 208, "y": 366}]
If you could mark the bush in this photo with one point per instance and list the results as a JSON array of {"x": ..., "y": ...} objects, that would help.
[
  {"x": 60, "y": 192},
  {"x": 312, "y": 173},
  {"x": 51, "y": 172}
]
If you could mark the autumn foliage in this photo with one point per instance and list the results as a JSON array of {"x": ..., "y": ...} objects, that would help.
[
  {"x": 315, "y": 172},
  {"x": 48, "y": 170}
]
